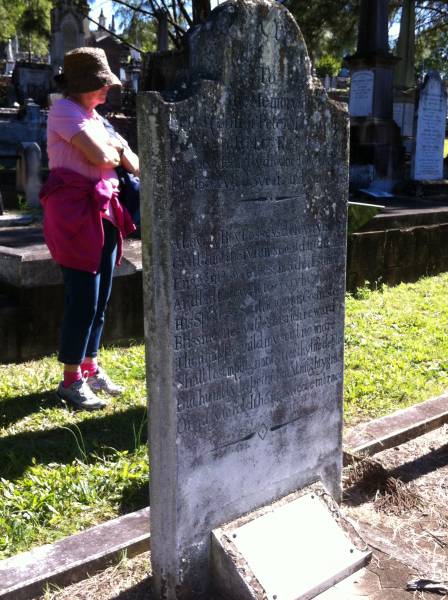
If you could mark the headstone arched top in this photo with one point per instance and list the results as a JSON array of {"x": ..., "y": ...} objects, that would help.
[{"x": 254, "y": 42}]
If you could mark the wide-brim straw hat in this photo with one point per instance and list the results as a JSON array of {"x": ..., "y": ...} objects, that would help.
[{"x": 85, "y": 70}]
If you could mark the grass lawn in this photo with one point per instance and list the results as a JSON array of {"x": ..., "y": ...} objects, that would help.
[{"x": 62, "y": 471}]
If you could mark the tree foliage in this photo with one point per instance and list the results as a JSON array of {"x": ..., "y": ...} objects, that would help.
[
  {"x": 29, "y": 20},
  {"x": 138, "y": 27},
  {"x": 141, "y": 18},
  {"x": 34, "y": 26},
  {"x": 431, "y": 48},
  {"x": 328, "y": 26},
  {"x": 431, "y": 52},
  {"x": 9, "y": 16},
  {"x": 327, "y": 65}
]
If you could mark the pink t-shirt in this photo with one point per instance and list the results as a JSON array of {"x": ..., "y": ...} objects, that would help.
[{"x": 66, "y": 119}]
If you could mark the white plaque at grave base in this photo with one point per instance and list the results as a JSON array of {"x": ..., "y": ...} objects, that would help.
[
  {"x": 293, "y": 550},
  {"x": 361, "y": 94},
  {"x": 427, "y": 161}
]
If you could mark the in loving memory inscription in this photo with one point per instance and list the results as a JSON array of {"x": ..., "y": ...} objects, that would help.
[{"x": 244, "y": 181}]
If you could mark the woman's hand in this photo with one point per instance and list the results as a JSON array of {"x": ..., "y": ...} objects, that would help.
[
  {"x": 129, "y": 160},
  {"x": 119, "y": 147}
]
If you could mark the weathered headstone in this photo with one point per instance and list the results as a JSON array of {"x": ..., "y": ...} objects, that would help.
[
  {"x": 28, "y": 172},
  {"x": 427, "y": 161},
  {"x": 244, "y": 208},
  {"x": 32, "y": 80}
]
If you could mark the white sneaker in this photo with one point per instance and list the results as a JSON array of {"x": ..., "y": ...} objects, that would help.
[
  {"x": 80, "y": 395},
  {"x": 101, "y": 382}
]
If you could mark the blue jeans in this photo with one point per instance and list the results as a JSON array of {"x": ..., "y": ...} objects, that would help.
[{"x": 86, "y": 298}]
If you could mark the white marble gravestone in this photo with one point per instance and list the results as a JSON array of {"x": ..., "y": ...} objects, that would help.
[
  {"x": 244, "y": 205},
  {"x": 427, "y": 161}
]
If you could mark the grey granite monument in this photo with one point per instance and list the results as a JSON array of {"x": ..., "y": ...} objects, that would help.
[
  {"x": 374, "y": 136},
  {"x": 427, "y": 160},
  {"x": 244, "y": 205}
]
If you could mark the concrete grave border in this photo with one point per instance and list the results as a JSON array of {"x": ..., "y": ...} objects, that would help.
[
  {"x": 74, "y": 558},
  {"x": 397, "y": 428}
]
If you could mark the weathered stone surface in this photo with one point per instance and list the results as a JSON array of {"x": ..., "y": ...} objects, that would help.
[
  {"x": 427, "y": 161},
  {"x": 244, "y": 200}
]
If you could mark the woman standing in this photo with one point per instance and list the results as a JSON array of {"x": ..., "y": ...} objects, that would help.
[{"x": 84, "y": 223}]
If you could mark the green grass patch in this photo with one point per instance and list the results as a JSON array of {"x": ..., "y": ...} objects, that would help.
[
  {"x": 396, "y": 342},
  {"x": 62, "y": 471}
]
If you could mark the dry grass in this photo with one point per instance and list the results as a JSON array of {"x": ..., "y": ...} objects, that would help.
[
  {"x": 128, "y": 580},
  {"x": 397, "y": 498},
  {"x": 402, "y": 496}
]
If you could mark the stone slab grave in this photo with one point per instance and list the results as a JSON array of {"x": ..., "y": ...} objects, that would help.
[
  {"x": 244, "y": 210},
  {"x": 427, "y": 163}
]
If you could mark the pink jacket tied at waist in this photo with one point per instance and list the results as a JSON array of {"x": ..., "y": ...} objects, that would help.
[{"x": 73, "y": 225}]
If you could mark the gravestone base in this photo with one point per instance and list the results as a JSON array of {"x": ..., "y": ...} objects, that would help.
[
  {"x": 293, "y": 549},
  {"x": 377, "y": 142},
  {"x": 437, "y": 189}
]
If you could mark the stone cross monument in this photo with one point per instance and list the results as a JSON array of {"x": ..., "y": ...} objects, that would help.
[{"x": 244, "y": 196}]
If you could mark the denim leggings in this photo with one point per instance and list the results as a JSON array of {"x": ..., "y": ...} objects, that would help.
[{"x": 86, "y": 297}]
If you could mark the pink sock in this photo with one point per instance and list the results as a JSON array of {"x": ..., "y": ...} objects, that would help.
[
  {"x": 90, "y": 366},
  {"x": 71, "y": 376}
]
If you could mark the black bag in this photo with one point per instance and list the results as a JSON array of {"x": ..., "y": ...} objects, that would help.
[{"x": 130, "y": 195}]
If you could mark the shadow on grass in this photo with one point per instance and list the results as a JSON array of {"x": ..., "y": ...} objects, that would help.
[
  {"x": 19, "y": 407},
  {"x": 99, "y": 434},
  {"x": 134, "y": 496}
]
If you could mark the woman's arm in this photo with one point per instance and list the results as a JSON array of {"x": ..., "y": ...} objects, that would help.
[
  {"x": 96, "y": 152},
  {"x": 129, "y": 160}
]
